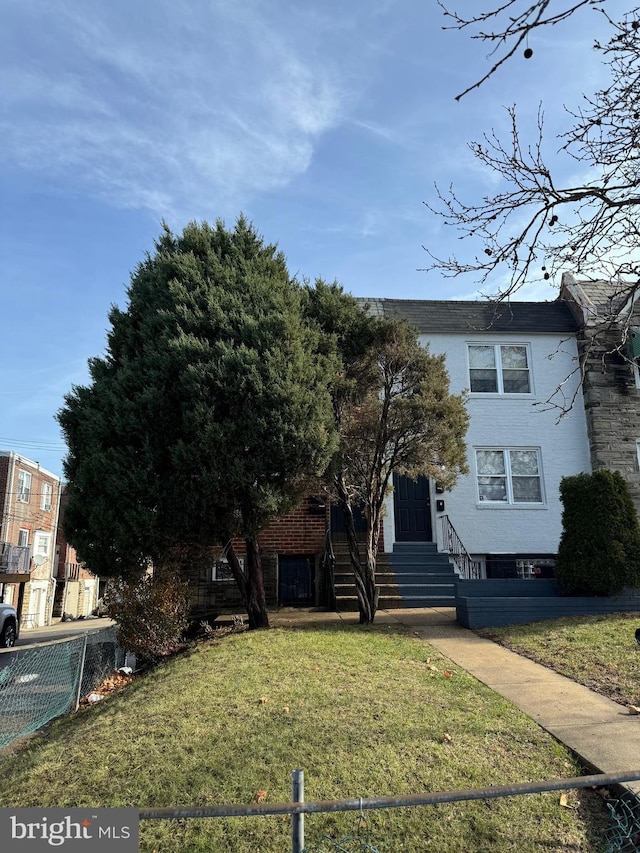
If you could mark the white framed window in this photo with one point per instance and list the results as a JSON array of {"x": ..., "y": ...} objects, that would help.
[
  {"x": 41, "y": 544},
  {"x": 510, "y": 475},
  {"x": 46, "y": 496},
  {"x": 499, "y": 369},
  {"x": 23, "y": 538},
  {"x": 221, "y": 570},
  {"x": 24, "y": 486}
]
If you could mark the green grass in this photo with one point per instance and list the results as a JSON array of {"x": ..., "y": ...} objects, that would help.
[
  {"x": 363, "y": 711},
  {"x": 597, "y": 651}
]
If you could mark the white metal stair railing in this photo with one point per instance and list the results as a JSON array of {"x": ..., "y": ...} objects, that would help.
[{"x": 468, "y": 568}]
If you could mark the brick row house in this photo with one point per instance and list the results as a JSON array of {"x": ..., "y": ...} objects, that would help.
[
  {"x": 503, "y": 519},
  {"x": 37, "y": 567},
  {"x": 553, "y": 390},
  {"x": 519, "y": 364},
  {"x": 77, "y": 589}
]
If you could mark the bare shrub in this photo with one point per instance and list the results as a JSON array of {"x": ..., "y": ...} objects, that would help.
[{"x": 151, "y": 613}]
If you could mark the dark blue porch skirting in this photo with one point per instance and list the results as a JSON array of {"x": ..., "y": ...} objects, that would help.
[{"x": 494, "y": 602}]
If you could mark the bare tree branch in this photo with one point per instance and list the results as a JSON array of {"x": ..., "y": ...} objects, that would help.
[
  {"x": 535, "y": 226},
  {"x": 512, "y": 21}
]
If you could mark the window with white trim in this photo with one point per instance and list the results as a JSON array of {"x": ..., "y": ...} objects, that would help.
[
  {"x": 23, "y": 538},
  {"x": 41, "y": 544},
  {"x": 499, "y": 369},
  {"x": 509, "y": 475},
  {"x": 24, "y": 486},
  {"x": 221, "y": 570},
  {"x": 46, "y": 496}
]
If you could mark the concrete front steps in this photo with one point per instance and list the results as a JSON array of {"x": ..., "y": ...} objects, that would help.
[
  {"x": 346, "y": 599},
  {"x": 414, "y": 575},
  {"x": 424, "y": 577}
]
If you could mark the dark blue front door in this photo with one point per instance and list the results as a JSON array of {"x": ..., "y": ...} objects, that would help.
[
  {"x": 296, "y": 584},
  {"x": 411, "y": 509}
]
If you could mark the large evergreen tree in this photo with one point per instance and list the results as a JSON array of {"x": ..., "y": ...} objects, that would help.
[{"x": 208, "y": 416}]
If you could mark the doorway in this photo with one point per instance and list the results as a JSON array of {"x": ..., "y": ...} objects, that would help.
[
  {"x": 296, "y": 581},
  {"x": 412, "y": 509}
]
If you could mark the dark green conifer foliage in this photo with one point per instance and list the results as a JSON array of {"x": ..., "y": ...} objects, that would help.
[
  {"x": 208, "y": 416},
  {"x": 599, "y": 551}
]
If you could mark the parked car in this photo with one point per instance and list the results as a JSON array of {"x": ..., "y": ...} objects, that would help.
[{"x": 8, "y": 626}]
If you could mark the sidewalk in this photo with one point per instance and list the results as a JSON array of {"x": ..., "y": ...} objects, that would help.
[{"x": 600, "y": 732}]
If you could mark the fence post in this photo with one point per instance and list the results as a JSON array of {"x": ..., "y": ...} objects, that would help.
[
  {"x": 84, "y": 657},
  {"x": 297, "y": 820}
]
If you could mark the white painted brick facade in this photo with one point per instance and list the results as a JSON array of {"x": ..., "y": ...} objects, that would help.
[{"x": 513, "y": 421}]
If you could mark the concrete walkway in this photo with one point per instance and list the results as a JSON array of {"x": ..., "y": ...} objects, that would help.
[{"x": 600, "y": 732}]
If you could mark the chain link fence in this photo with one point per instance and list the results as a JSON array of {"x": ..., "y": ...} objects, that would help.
[{"x": 40, "y": 683}]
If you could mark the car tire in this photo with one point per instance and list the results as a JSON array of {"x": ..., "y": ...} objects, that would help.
[{"x": 8, "y": 636}]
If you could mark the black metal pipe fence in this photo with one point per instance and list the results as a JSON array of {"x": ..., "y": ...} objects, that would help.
[{"x": 298, "y": 808}]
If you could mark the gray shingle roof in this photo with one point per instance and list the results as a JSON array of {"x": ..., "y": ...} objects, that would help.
[
  {"x": 599, "y": 298},
  {"x": 441, "y": 315}
]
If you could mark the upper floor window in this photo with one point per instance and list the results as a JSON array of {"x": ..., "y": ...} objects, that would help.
[
  {"x": 46, "y": 496},
  {"x": 499, "y": 369},
  {"x": 510, "y": 475},
  {"x": 24, "y": 486}
]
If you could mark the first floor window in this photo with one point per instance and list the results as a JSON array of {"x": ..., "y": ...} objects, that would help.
[
  {"x": 23, "y": 538},
  {"x": 509, "y": 475}
]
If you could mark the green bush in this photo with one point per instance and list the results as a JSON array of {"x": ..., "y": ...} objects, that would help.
[
  {"x": 151, "y": 613},
  {"x": 599, "y": 550}
]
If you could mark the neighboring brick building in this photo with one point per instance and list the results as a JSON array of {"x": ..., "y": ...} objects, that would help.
[
  {"x": 29, "y": 509},
  {"x": 77, "y": 589}
]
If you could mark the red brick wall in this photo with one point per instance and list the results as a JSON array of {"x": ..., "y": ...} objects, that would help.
[
  {"x": 29, "y": 516},
  {"x": 66, "y": 552},
  {"x": 4, "y": 475},
  {"x": 300, "y": 531}
]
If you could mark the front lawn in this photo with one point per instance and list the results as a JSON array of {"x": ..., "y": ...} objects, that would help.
[
  {"x": 598, "y": 651},
  {"x": 365, "y": 712}
]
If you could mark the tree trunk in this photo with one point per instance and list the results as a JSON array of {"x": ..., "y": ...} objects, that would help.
[
  {"x": 256, "y": 602},
  {"x": 364, "y": 576},
  {"x": 250, "y": 582}
]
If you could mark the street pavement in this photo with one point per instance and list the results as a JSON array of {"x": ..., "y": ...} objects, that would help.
[{"x": 60, "y": 631}]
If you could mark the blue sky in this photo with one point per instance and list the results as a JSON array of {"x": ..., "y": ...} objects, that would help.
[{"x": 325, "y": 123}]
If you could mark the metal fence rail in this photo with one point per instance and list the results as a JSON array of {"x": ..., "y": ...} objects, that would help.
[
  {"x": 299, "y": 808},
  {"x": 40, "y": 683}
]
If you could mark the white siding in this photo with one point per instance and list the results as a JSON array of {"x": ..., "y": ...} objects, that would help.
[{"x": 514, "y": 421}]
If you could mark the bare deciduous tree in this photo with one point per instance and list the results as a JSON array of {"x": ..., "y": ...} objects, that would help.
[{"x": 535, "y": 225}]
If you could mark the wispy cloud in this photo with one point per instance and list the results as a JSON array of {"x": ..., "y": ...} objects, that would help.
[{"x": 159, "y": 106}]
